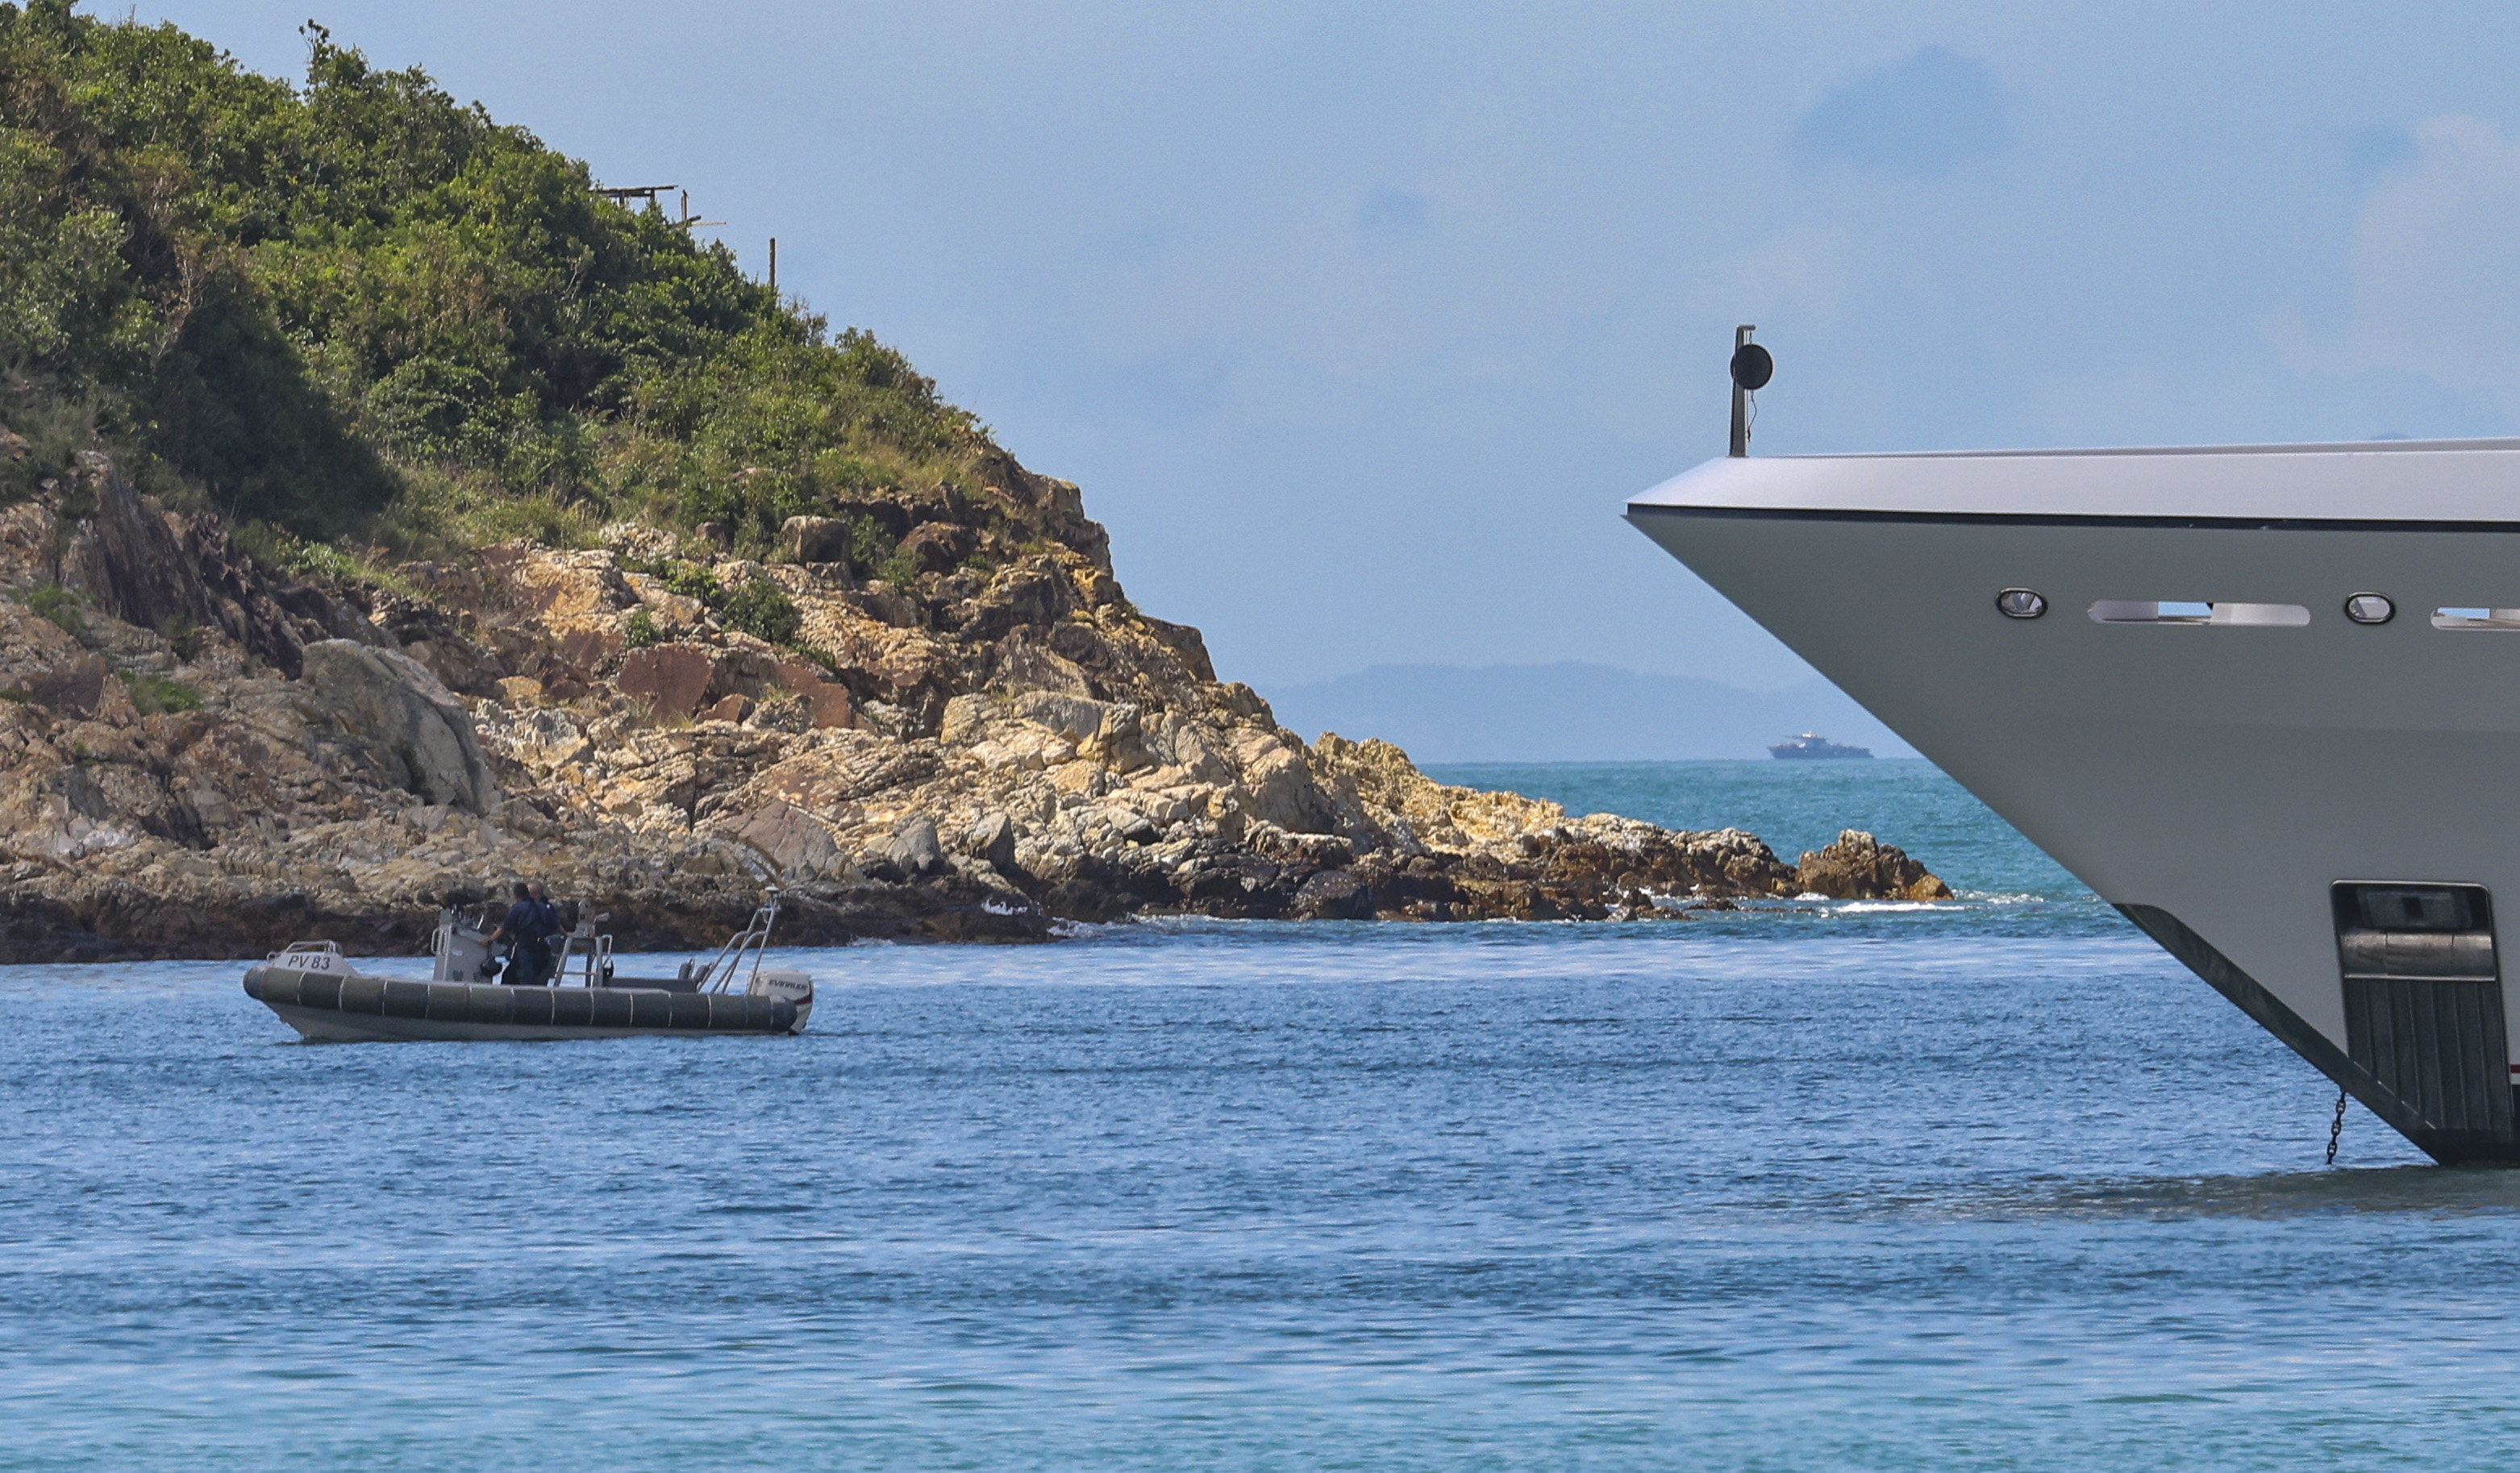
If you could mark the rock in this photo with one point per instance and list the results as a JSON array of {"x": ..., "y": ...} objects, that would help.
[
  {"x": 75, "y": 689},
  {"x": 827, "y": 701},
  {"x": 1071, "y": 715},
  {"x": 993, "y": 839},
  {"x": 795, "y": 843},
  {"x": 1281, "y": 783},
  {"x": 716, "y": 534},
  {"x": 675, "y": 612},
  {"x": 126, "y": 560},
  {"x": 913, "y": 848},
  {"x": 1080, "y": 756},
  {"x": 1321, "y": 851},
  {"x": 936, "y": 546},
  {"x": 1116, "y": 738},
  {"x": 414, "y": 726},
  {"x": 638, "y": 541},
  {"x": 813, "y": 539},
  {"x": 1096, "y": 587},
  {"x": 13, "y": 446},
  {"x": 541, "y": 739},
  {"x": 1188, "y": 643},
  {"x": 967, "y": 719},
  {"x": 1858, "y": 866},
  {"x": 673, "y": 678},
  {"x": 1032, "y": 593},
  {"x": 1334, "y": 895},
  {"x": 1080, "y": 898},
  {"x": 1025, "y": 661}
]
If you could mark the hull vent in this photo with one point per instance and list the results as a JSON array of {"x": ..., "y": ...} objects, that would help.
[{"x": 2423, "y": 1002}]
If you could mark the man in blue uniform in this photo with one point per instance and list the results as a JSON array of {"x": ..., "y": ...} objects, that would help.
[{"x": 529, "y": 926}]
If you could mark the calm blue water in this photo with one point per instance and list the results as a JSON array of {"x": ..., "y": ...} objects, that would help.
[{"x": 1988, "y": 1185}]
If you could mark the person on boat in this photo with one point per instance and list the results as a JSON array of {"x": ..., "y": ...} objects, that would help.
[{"x": 530, "y": 925}]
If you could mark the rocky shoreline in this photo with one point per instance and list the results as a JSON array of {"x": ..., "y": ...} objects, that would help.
[{"x": 930, "y": 716}]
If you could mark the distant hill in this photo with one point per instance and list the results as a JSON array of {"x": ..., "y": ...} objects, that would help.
[{"x": 1571, "y": 712}]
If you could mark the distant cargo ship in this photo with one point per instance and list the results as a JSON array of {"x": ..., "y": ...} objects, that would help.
[{"x": 1812, "y": 745}]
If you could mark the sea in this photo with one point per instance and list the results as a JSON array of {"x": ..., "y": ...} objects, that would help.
[{"x": 1986, "y": 1185}]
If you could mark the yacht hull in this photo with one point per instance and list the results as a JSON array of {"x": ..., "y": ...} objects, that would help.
[{"x": 2216, "y": 783}]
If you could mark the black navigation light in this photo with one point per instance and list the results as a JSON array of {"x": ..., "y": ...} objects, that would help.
[
  {"x": 2020, "y": 604},
  {"x": 1752, "y": 367},
  {"x": 2371, "y": 608}
]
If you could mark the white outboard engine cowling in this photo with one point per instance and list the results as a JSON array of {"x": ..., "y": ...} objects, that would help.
[{"x": 787, "y": 984}]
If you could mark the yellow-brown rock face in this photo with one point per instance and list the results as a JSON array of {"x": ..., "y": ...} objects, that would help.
[{"x": 200, "y": 757}]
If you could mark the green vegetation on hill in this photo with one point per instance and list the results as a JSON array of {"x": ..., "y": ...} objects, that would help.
[{"x": 357, "y": 309}]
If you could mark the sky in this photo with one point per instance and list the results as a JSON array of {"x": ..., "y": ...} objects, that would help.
[{"x": 1359, "y": 324}]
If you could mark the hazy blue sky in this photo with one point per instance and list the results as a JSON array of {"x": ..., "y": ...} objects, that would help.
[{"x": 1359, "y": 324}]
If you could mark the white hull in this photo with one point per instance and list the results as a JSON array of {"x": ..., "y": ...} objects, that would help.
[{"x": 2223, "y": 778}]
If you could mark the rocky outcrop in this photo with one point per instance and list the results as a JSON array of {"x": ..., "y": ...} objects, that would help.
[
  {"x": 976, "y": 738},
  {"x": 1858, "y": 866},
  {"x": 422, "y": 737},
  {"x": 120, "y": 554}
]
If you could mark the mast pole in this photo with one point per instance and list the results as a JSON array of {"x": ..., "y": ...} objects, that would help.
[{"x": 1740, "y": 395}]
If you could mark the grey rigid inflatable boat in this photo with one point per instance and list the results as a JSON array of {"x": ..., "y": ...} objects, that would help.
[{"x": 314, "y": 988}]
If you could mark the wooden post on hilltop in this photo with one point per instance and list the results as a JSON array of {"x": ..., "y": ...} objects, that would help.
[{"x": 774, "y": 265}]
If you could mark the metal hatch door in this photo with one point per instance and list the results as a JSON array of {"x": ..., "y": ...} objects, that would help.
[{"x": 2423, "y": 1002}]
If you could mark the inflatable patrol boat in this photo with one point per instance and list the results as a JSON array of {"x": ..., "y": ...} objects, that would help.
[{"x": 315, "y": 989}]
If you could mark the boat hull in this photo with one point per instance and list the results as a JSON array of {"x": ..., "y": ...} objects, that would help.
[
  {"x": 348, "y": 1008},
  {"x": 2216, "y": 783}
]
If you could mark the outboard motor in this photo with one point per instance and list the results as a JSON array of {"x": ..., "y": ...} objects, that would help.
[
  {"x": 786, "y": 984},
  {"x": 463, "y": 950}
]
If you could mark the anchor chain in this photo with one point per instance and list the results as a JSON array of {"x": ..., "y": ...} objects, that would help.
[{"x": 2336, "y": 1126}]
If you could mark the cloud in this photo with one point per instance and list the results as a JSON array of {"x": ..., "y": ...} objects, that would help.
[
  {"x": 2436, "y": 271},
  {"x": 1922, "y": 118},
  {"x": 1389, "y": 212}
]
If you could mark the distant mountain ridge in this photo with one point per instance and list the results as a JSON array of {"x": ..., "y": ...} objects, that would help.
[{"x": 1572, "y": 712}]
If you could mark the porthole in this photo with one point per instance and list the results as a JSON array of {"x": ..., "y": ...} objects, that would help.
[
  {"x": 2020, "y": 604},
  {"x": 2371, "y": 608}
]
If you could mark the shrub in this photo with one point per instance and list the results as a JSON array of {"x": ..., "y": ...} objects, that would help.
[
  {"x": 356, "y": 306},
  {"x": 762, "y": 608},
  {"x": 154, "y": 693},
  {"x": 693, "y": 581},
  {"x": 59, "y": 606},
  {"x": 54, "y": 428},
  {"x": 640, "y": 631},
  {"x": 898, "y": 568}
]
